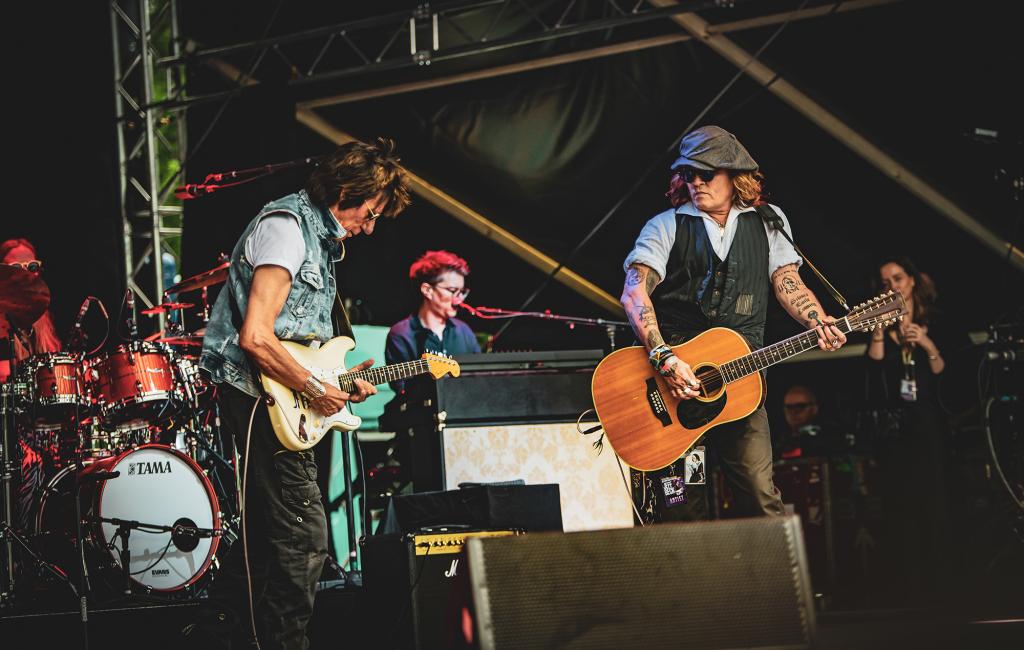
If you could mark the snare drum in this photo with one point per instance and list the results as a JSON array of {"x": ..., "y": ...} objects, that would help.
[
  {"x": 54, "y": 382},
  {"x": 98, "y": 439},
  {"x": 134, "y": 381},
  {"x": 156, "y": 485}
]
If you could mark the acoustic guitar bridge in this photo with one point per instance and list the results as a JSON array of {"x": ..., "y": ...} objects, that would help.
[{"x": 656, "y": 403}]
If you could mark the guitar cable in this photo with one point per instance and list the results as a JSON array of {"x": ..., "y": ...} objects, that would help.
[
  {"x": 618, "y": 463},
  {"x": 245, "y": 533}
]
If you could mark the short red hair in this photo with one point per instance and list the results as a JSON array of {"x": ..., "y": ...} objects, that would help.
[{"x": 433, "y": 264}]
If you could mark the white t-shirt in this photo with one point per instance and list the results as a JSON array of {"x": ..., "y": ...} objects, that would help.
[
  {"x": 276, "y": 240},
  {"x": 654, "y": 245}
]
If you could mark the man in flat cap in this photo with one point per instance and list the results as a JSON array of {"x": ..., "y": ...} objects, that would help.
[{"x": 712, "y": 260}]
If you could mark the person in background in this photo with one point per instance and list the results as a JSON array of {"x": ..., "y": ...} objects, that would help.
[
  {"x": 438, "y": 280},
  {"x": 905, "y": 362},
  {"x": 43, "y": 335},
  {"x": 37, "y": 457}
]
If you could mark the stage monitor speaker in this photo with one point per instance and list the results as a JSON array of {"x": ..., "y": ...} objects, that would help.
[{"x": 724, "y": 584}]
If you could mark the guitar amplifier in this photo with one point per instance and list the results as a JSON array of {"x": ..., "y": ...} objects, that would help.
[{"x": 409, "y": 580}]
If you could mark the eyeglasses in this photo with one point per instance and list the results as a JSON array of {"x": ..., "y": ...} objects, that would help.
[
  {"x": 688, "y": 174},
  {"x": 798, "y": 406},
  {"x": 32, "y": 265},
  {"x": 455, "y": 291},
  {"x": 373, "y": 215}
]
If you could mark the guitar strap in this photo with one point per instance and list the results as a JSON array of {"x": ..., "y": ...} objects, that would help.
[
  {"x": 339, "y": 315},
  {"x": 774, "y": 221}
]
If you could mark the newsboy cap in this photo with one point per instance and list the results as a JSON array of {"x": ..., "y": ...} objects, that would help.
[{"x": 712, "y": 147}]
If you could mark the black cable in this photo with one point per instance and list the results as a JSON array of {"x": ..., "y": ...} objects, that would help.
[
  {"x": 407, "y": 606},
  {"x": 170, "y": 539},
  {"x": 362, "y": 476},
  {"x": 647, "y": 172}
]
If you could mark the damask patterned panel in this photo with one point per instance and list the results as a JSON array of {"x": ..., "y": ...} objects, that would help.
[{"x": 593, "y": 493}]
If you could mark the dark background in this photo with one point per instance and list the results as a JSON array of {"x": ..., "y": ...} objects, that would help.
[{"x": 546, "y": 154}]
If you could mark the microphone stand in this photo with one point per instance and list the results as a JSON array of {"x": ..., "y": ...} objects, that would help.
[{"x": 487, "y": 313}]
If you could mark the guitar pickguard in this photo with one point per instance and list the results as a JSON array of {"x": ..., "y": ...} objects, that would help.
[{"x": 693, "y": 413}]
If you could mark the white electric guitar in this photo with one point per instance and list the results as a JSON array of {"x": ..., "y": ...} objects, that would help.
[{"x": 298, "y": 426}]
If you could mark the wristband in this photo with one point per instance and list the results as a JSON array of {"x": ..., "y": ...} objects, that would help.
[
  {"x": 313, "y": 389},
  {"x": 659, "y": 354}
]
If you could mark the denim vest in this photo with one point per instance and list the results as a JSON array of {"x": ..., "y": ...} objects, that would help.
[{"x": 306, "y": 315}]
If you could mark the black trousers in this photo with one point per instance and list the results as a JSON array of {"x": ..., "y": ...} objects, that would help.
[
  {"x": 744, "y": 452},
  {"x": 286, "y": 536}
]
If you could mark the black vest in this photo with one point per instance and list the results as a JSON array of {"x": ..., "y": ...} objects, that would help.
[{"x": 701, "y": 291}]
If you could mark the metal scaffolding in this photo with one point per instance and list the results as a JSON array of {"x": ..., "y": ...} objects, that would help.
[{"x": 151, "y": 142}]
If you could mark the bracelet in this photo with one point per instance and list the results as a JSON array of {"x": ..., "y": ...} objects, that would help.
[
  {"x": 933, "y": 357},
  {"x": 313, "y": 389},
  {"x": 658, "y": 355}
]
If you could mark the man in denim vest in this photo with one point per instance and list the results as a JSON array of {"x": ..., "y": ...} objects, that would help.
[
  {"x": 712, "y": 261},
  {"x": 280, "y": 287}
]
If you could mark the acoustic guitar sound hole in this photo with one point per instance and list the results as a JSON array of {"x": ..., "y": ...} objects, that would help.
[{"x": 711, "y": 383}]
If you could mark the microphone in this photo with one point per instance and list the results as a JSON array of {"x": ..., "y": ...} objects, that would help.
[
  {"x": 1001, "y": 355},
  {"x": 470, "y": 308},
  {"x": 98, "y": 476},
  {"x": 186, "y": 535},
  {"x": 133, "y": 327},
  {"x": 193, "y": 190},
  {"x": 76, "y": 331}
]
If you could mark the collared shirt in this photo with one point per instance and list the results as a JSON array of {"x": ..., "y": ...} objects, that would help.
[
  {"x": 408, "y": 339},
  {"x": 655, "y": 242}
]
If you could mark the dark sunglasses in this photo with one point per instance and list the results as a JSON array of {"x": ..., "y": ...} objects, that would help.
[
  {"x": 689, "y": 173},
  {"x": 34, "y": 266}
]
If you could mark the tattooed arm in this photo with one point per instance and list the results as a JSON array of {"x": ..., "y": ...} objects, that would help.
[
  {"x": 801, "y": 303},
  {"x": 636, "y": 300}
]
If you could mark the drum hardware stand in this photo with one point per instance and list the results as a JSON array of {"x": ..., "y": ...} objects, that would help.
[
  {"x": 183, "y": 533},
  {"x": 7, "y": 468}
]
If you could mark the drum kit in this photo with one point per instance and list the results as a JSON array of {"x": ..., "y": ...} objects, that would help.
[{"x": 112, "y": 462}]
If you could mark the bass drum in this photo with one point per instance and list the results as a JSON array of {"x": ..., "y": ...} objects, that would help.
[{"x": 157, "y": 485}]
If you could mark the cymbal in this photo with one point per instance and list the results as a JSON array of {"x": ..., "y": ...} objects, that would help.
[
  {"x": 205, "y": 279},
  {"x": 183, "y": 339},
  {"x": 166, "y": 306},
  {"x": 24, "y": 296}
]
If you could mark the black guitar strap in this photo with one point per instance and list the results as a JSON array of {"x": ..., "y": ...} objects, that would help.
[{"x": 774, "y": 221}]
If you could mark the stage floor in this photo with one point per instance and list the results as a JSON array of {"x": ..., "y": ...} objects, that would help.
[{"x": 340, "y": 621}]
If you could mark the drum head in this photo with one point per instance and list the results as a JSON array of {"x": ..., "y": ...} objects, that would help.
[{"x": 162, "y": 487}]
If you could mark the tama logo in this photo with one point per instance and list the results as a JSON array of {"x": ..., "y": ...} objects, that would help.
[
  {"x": 155, "y": 467},
  {"x": 160, "y": 572}
]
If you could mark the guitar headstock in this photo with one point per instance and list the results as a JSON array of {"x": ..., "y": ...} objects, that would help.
[
  {"x": 441, "y": 365},
  {"x": 878, "y": 312}
]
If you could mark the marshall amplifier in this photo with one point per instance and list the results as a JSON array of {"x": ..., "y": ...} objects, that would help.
[{"x": 409, "y": 580}]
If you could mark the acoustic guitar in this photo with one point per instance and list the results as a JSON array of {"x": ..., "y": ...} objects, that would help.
[{"x": 649, "y": 428}]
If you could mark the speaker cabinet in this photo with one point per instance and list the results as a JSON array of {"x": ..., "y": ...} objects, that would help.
[
  {"x": 739, "y": 583},
  {"x": 593, "y": 493}
]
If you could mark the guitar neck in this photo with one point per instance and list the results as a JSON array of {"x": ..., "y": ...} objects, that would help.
[
  {"x": 775, "y": 353},
  {"x": 383, "y": 374}
]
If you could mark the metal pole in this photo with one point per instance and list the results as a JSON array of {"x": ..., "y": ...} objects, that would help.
[{"x": 151, "y": 156}]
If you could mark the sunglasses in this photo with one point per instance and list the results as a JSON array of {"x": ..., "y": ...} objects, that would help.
[
  {"x": 373, "y": 215},
  {"x": 688, "y": 174},
  {"x": 32, "y": 265}
]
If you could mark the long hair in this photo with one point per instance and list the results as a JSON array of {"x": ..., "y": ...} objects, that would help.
[
  {"x": 924, "y": 293},
  {"x": 748, "y": 189},
  {"x": 44, "y": 333},
  {"x": 361, "y": 171}
]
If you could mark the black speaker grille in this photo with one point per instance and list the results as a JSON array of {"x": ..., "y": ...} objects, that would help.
[{"x": 727, "y": 584}]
